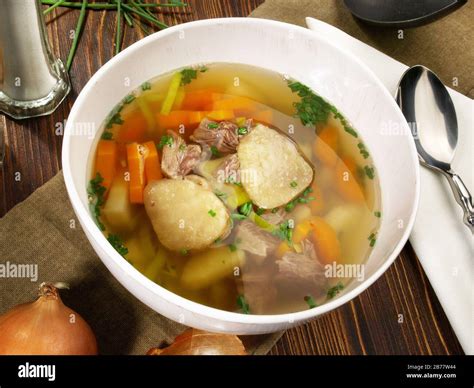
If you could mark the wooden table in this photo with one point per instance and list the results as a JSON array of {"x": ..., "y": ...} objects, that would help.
[{"x": 399, "y": 314}]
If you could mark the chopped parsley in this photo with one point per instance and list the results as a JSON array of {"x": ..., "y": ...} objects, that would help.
[
  {"x": 215, "y": 152},
  {"x": 284, "y": 231},
  {"x": 182, "y": 147},
  {"x": 311, "y": 109},
  {"x": 145, "y": 86},
  {"x": 106, "y": 135},
  {"x": 117, "y": 243},
  {"x": 242, "y": 131},
  {"x": 114, "y": 118},
  {"x": 184, "y": 252},
  {"x": 243, "y": 305},
  {"x": 96, "y": 192},
  {"x": 259, "y": 211},
  {"x": 333, "y": 291},
  {"x": 275, "y": 210},
  {"x": 370, "y": 172},
  {"x": 372, "y": 239},
  {"x": 303, "y": 198},
  {"x": 232, "y": 247},
  {"x": 294, "y": 184},
  {"x": 212, "y": 126},
  {"x": 128, "y": 99},
  {"x": 165, "y": 140},
  {"x": 310, "y": 301},
  {"x": 212, "y": 213},
  {"x": 363, "y": 151},
  {"x": 378, "y": 214},
  {"x": 188, "y": 74},
  {"x": 246, "y": 209}
]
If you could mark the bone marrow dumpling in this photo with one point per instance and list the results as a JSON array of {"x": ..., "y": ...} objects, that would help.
[
  {"x": 185, "y": 215},
  {"x": 274, "y": 169}
]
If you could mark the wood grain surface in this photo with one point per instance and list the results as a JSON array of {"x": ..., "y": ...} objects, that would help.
[{"x": 399, "y": 314}]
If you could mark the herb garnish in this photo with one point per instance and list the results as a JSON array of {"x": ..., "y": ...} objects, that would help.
[
  {"x": 165, "y": 140},
  {"x": 313, "y": 109},
  {"x": 215, "y": 152},
  {"x": 310, "y": 301},
  {"x": 188, "y": 74},
  {"x": 333, "y": 291},
  {"x": 369, "y": 171},
  {"x": 363, "y": 151},
  {"x": 246, "y": 208},
  {"x": 378, "y": 214},
  {"x": 303, "y": 198},
  {"x": 117, "y": 243},
  {"x": 232, "y": 247},
  {"x": 212, "y": 126},
  {"x": 294, "y": 184},
  {"x": 96, "y": 193},
  {"x": 106, "y": 135},
  {"x": 145, "y": 86},
  {"x": 114, "y": 117},
  {"x": 128, "y": 99},
  {"x": 242, "y": 303},
  {"x": 212, "y": 213},
  {"x": 182, "y": 147},
  {"x": 184, "y": 252},
  {"x": 259, "y": 211},
  {"x": 372, "y": 239},
  {"x": 284, "y": 231},
  {"x": 242, "y": 131}
]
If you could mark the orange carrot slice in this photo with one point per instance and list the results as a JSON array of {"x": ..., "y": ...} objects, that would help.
[
  {"x": 325, "y": 240},
  {"x": 106, "y": 161},
  {"x": 200, "y": 100},
  {"x": 346, "y": 183},
  {"x": 134, "y": 128},
  {"x": 152, "y": 162},
  {"x": 136, "y": 165},
  {"x": 325, "y": 146}
]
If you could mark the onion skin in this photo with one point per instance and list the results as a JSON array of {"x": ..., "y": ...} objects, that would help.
[
  {"x": 195, "y": 342},
  {"x": 45, "y": 327}
]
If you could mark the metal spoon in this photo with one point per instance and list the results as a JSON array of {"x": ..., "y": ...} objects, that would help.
[{"x": 429, "y": 110}]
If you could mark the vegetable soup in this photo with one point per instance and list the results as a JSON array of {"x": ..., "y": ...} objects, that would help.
[{"x": 236, "y": 187}]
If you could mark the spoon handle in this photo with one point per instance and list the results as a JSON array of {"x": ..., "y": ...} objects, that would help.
[{"x": 462, "y": 196}]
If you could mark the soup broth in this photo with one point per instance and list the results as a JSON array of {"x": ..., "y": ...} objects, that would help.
[{"x": 237, "y": 188}]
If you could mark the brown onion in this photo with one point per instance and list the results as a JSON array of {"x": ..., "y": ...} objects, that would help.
[
  {"x": 45, "y": 326},
  {"x": 199, "y": 343}
]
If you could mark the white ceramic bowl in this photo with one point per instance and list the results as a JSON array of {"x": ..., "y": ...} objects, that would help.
[{"x": 336, "y": 75}]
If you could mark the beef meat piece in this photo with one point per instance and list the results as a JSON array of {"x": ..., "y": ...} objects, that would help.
[
  {"x": 179, "y": 159},
  {"x": 224, "y": 135},
  {"x": 301, "y": 272},
  {"x": 254, "y": 240}
]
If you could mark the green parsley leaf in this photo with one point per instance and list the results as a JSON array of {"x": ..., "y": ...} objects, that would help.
[
  {"x": 242, "y": 303},
  {"x": 310, "y": 301},
  {"x": 117, "y": 243},
  {"x": 165, "y": 140},
  {"x": 212, "y": 213},
  {"x": 333, "y": 291}
]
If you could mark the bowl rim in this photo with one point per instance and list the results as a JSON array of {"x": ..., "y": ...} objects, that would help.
[{"x": 190, "y": 306}]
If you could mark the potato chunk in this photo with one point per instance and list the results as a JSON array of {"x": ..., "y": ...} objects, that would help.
[
  {"x": 273, "y": 171},
  {"x": 184, "y": 214}
]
